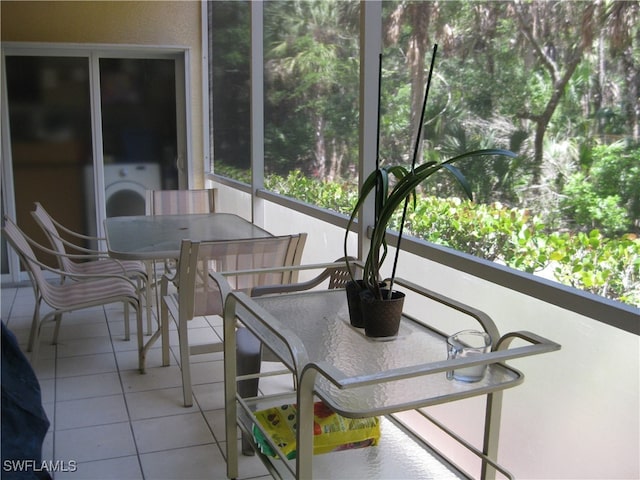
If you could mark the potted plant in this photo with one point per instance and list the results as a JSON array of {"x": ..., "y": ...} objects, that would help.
[
  {"x": 369, "y": 297},
  {"x": 370, "y": 291}
]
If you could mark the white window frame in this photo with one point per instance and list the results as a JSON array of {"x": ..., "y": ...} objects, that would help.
[{"x": 93, "y": 53}]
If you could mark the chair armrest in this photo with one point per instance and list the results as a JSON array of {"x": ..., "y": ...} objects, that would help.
[
  {"x": 75, "y": 276},
  {"x": 73, "y": 233},
  {"x": 328, "y": 267},
  {"x": 82, "y": 250},
  {"x": 292, "y": 287}
]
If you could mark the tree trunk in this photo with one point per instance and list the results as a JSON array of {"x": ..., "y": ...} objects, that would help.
[
  {"x": 320, "y": 153},
  {"x": 419, "y": 15},
  {"x": 559, "y": 78}
]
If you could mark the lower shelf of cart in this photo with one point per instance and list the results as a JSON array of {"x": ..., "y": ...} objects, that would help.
[{"x": 397, "y": 455}]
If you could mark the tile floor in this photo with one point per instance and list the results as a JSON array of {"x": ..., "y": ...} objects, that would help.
[{"x": 111, "y": 420}]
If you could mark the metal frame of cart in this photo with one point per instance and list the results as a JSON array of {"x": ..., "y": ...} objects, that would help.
[{"x": 305, "y": 329}]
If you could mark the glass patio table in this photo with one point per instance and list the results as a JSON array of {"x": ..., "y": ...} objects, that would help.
[
  {"x": 158, "y": 237},
  {"x": 152, "y": 238}
]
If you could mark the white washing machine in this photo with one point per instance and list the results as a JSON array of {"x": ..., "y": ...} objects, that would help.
[{"x": 125, "y": 185}]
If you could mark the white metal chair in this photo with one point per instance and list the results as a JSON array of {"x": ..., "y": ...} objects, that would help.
[
  {"x": 86, "y": 261},
  {"x": 80, "y": 260},
  {"x": 175, "y": 202},
  {"x": 93, "y": 290},
  {"x": 198, "y": 294},
  {"x": 172, "y": 202}
]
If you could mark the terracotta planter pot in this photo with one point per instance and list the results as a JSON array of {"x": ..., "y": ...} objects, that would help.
[{"x": 382, "y": 317}]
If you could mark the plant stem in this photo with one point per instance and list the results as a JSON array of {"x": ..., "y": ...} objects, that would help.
[{"x": 413, "y": 165}]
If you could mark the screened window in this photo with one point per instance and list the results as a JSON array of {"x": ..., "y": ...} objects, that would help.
[
  {"x": 229, "y": 84},
  {"x": 554, "y": 82}
]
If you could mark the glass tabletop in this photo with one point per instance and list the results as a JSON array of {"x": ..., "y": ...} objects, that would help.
[
  {"x": 157, "y": 237},
  {"x": 370, "y": 376}
]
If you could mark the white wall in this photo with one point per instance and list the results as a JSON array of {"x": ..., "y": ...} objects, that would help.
[{"x": 577, "y": 414}]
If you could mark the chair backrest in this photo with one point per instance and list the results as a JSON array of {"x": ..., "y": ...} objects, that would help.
[
  {"x": 171, "y": 202},
  {"x": 47, "y": 224},
  {"x": 200, "y": 295},
  {"x": 18, "y": 240},
  {"x": 337, "y": 276}
]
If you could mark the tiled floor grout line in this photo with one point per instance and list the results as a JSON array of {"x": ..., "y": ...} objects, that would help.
[
  {"x": 72, "y": 387},
  {"x": 122, "y": 388},
  {"x": 55, "y": 403}
]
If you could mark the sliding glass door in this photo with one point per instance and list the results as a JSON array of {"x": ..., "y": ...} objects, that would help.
[{"x": 86, "y": 132}]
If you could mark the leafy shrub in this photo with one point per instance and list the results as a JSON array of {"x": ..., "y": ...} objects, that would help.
[
  {"x": 607, "y": 266},
  {"x": 605, "y": 194},
  {"x": 604, "y": 266}
]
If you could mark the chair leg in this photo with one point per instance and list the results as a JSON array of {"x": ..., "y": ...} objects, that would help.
[
  {"x": 56, "y": 330},
  {"x": 248, "y": 361},
  {"x": 35, "y": 321},
  {"x": 127, "y": 325},
  {"x": 139, "y": 335},
  {"x": 185, "y": 366},
  {"x": 36, "y": 340},
  {"x": 164, "y": 327}
]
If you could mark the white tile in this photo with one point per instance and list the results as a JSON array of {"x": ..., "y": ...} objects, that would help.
[
  {"x": 176, "y": 431},
  {"x": 116, "y": 327},
  {"x": 123, "y": 468},
  {"x": 275, "y": 384},
  {"x": 197, "y": 336},
  {"x": 86, "y": 365},
  {"x": 202, "y": 358},
  {"x": 47, "y": 446},
  {"x": 45, "y": 368},
  {"x": 199, "y": 462},
  {"x": 157, "y": 403},
  {"x": 153, "y": 379},
  {"x": 70, "y": 347},
  {"x": 208, "y": 372},
  {"x": 95, "y": 443},
  {"x": 20, "y": 325},
  {"x": 84, "y": 386},
  {"x": 48, "y": 390},
  {"x": 197, "y": 322},
  {"x": 209, "y": 396},
  {"x": 49, "y": 410},
  {"x": 23, "y": 307},
  {"x": 205, "y": 334},
  {"x": 46, "y": 351},
  {"x": 90, "y": 411},
  {"x": 216, "y": 421},
  {"x": 121, "y": 345},
  {"x": 248, "y": 466},
  {"x": 86, "y": 315},
  {"x": 215, "y": 320},
  {"x": 82, "y": 329},
  {"x": 128, "y": 359},
  {"x": 8, "y": 293}
]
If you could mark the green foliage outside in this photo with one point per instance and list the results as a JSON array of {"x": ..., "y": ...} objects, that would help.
[
  {"x": 606, "y": 266},
  {"x": 562, "y": 95},
  {"x": 605, "y": 193}
]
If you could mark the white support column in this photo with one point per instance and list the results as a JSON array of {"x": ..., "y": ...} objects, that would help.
[
  {"x": 257, "y": 111},
  {"x": 370, "y": 49}
]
